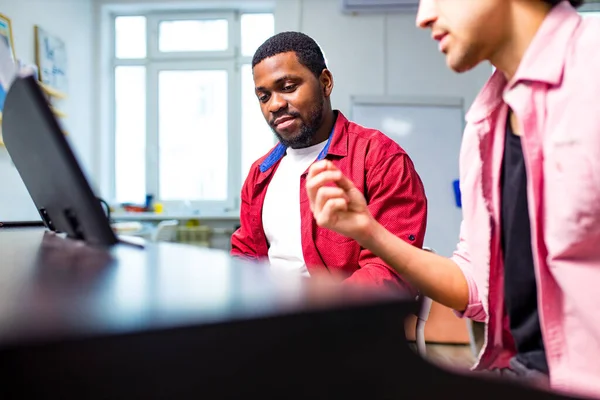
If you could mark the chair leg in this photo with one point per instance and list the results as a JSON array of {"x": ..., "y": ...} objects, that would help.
[
  {"x": 420, "y": 338},
  {"x": 471, "y": 337}
]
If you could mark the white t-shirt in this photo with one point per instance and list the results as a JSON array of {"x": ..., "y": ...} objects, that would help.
[{"x": 281, "y": 210}]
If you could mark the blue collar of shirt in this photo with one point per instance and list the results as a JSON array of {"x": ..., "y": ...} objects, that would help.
[{"x": 279, "y": 151}]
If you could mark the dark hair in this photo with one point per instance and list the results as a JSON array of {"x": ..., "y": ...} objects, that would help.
[
  {"x": 307, "y": 50},
  {"x": 574, "y": 3}
]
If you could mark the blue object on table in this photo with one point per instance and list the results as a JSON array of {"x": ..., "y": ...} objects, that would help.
[
  {"x": 2, "y": 97},
  {"x": 456, "y": 185}
]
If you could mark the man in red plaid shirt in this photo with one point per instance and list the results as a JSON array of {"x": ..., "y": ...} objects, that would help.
[{"x": 293, "y": 86}]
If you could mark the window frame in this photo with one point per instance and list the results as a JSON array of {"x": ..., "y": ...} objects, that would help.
[{"x": 154, "y": 61}]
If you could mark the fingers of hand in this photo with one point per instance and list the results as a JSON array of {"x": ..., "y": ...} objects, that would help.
[
  {"x": 313, "y": 184},
  {"x": 331, "y": 166},
  {"x": 327, "y": 167},
  {"x": 327, "y": 193},
  {"x": 330, "y": 213},
  {"x": 320, "y": 166},
  {"x": 317, "y": 167},
  {"x": 344, "y": 183}
]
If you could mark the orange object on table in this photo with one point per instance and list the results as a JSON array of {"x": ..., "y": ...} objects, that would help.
[{"x": 442, "y": 327}]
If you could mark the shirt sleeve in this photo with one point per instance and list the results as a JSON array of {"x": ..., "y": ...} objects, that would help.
[{"x": 396, "y": 198}]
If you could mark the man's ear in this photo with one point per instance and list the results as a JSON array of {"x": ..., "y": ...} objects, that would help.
[{"x": 326, "y": 80}]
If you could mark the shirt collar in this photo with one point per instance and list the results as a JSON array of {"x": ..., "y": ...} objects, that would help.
[
  {"x": 335, "y": 145},
  {"x": 543, "y": 61}
]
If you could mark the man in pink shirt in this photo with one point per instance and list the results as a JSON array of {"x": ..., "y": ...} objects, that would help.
[{"x": 528, "y": 258}]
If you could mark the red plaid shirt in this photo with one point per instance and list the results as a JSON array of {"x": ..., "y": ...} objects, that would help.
[{"x": 380, "y": 168}]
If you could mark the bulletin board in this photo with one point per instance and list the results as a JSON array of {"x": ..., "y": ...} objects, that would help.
[
  {"x": 6, "y": 34},
  {"x": 51, "y": 60}
]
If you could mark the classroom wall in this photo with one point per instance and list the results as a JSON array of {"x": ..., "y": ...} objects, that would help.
[{"x": 71, "y": 20}]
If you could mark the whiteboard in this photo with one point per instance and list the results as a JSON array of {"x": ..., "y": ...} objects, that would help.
[{"x": 430, "y": 131}]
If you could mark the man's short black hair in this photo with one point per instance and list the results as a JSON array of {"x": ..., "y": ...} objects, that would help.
[
  {"x": 307, "y": 50},
  {"x": 574, "y": 3}
]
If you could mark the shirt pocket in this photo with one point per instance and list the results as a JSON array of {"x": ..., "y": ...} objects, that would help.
[
  {"x": 338, "y": 252},
  {"x": 332, "y": 236},
  {"x": 571, "y": 193}
]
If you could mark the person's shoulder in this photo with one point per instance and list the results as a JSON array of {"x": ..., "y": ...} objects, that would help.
[
  {"x": 583, "y": 54},
  {"x": 580, "y": 84},
  {"x": 588, "y": 28}
]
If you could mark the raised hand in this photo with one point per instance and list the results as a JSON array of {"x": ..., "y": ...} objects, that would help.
[{"x": 336, "y": 203}]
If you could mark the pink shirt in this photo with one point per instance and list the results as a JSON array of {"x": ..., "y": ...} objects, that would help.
[{"x": 555, "y": 94}]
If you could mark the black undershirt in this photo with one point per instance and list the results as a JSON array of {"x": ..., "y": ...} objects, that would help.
[{"x": 520, "y": 288}]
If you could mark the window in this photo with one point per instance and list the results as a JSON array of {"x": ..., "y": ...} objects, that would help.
[
  {"x": 130, "y": 131},
  {"x": 130, "y": 37},
  {"x": 209, "y": 35},
  {"x": 192, "y": 134},
  {"x": 187, "y": 125}
]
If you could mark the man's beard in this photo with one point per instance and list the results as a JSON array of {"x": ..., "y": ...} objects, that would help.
[{"x": 308, "y": 130}]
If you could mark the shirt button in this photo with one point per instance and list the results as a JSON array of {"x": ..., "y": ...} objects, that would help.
[{"x": 411, "y": 237}]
